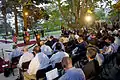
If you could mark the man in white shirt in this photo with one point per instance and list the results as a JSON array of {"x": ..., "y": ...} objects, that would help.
[
  {"x": 57, "y": 57},
  {"x": 25, "y": 57},
  {"x": 40, "y": 61},
  {"x": 45, "y": 49}
]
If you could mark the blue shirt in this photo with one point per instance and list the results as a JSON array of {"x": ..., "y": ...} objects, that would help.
[
  {"x": 73, "y": 74},
  {"x": 17, "y": 52}
]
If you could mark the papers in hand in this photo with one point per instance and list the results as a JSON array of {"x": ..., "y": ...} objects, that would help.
[{"x": 50, "y": 75}]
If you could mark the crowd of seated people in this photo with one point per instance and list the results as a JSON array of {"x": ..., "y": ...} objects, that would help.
[{"x": 77, "y": 57}]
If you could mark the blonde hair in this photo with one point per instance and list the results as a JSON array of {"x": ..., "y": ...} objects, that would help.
[
  {"x": 25, "y": 49},
  {"x": 42, "y": 43}
]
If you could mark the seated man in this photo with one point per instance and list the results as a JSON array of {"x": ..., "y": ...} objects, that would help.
[
  {"x": 91, "y": 69},
  {"x": 51, "y": 40},
  {"x": 45, "y": 49},
  {"x": 40, "y": 61},
  {"x": 24, "y": 61},
  {"x": 54, "y": 46},
  {"x": 71, "y": 73},
  {"x": 57, "y": 57},
  {"x": 16, "y": 54},
  {"x": 26, "y": 57},
  {"x": 80, "y": 50}
]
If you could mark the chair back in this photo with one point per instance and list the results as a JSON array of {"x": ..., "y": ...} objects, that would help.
[
  {"x": 41, "y": 73},
  {"x": 58, "y": 65},
  {"x": 25, "y": 65}
]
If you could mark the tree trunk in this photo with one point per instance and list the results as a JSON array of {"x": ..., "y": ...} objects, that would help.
[
  {"x": 5, "y": 24},
  {"x": 16, "y": 23},
  {"x": 4, "y": 17}
]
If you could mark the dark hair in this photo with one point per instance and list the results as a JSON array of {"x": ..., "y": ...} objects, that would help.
[
  {"x": 37, "y": 49},
  {"x": 58, "y": 46},
  {"x": 51, "y": 36},
  {"x": 105, "y": 37},
  {"x": 112, "y": 39},
  {"x": 91, "y": 52}
]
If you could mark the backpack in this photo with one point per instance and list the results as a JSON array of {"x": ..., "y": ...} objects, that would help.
[
  {"x": 7, "y": 69},
  {"x": 7, "y": 72}
]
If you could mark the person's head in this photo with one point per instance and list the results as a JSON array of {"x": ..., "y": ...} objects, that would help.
[
  {"x": 51, "y": 37},
  {"x": 91, "y": 53},
  {"x": 58, "y": 46},
  {"x": 61, "y": 40},
  {"x": 25, "y": 49},
  {"x": 80, "y": 39},
  {"x": 110, "y": 39},
  {"x": 36, "y": 49},
  {"x": 66, "y": 63},
  {"x": 42, "y": 43},
  {"x": 15, "y": 46}
]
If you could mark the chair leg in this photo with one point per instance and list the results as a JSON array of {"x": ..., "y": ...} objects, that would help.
[{"x": 12, "y": 70}]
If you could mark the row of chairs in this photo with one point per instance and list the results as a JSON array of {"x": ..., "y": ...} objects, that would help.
[{"x": 42, "y": 72}]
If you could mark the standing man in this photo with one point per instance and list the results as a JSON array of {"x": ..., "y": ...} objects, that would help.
[{"x": 42, "y": 32}]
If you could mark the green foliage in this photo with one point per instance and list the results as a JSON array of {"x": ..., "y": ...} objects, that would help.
[
  {"x": 100, "y": 15},
  {"x": 54, "y": 22}
]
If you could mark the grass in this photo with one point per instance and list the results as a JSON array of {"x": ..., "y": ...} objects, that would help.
[
  {"x": 53, "y": 33},
  {"x": 20, "y": 38}
]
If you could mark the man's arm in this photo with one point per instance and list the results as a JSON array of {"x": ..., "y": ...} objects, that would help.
[{"x": 20, "y": 62}]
